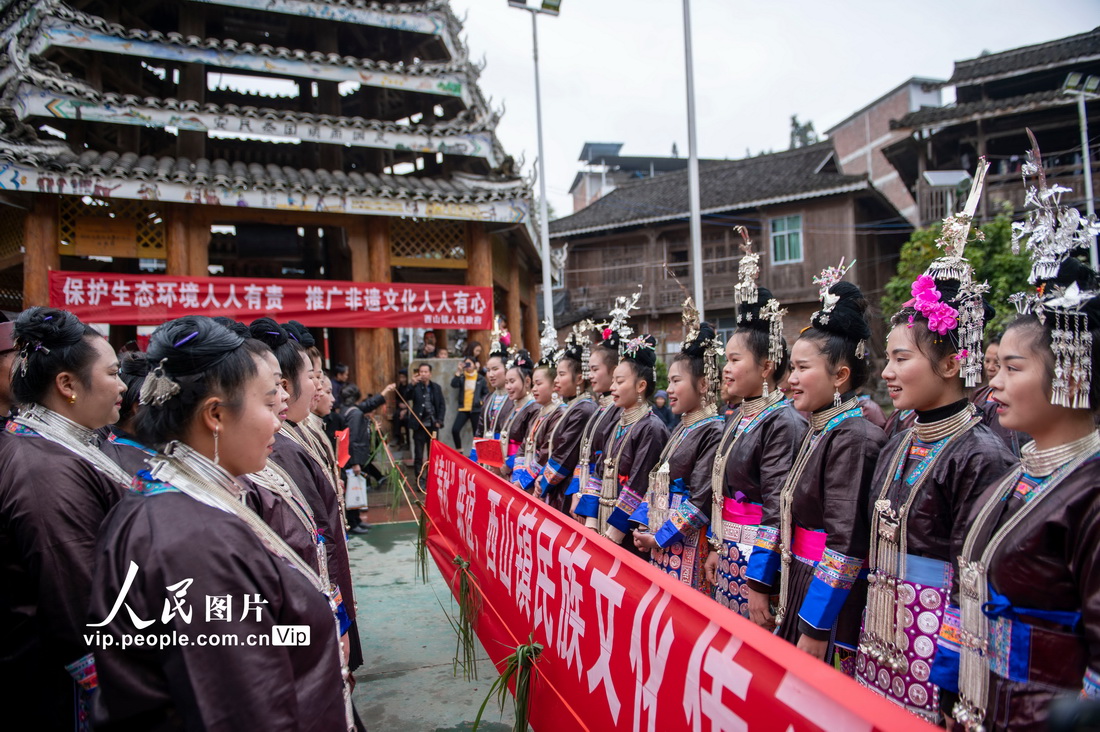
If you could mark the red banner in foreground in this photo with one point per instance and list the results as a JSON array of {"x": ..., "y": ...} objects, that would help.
[
  {"x": 625, "y": 646},
  {"x": 152, "y": 299}
]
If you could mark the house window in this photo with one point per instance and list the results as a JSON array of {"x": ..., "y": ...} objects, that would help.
[{"x": 786, "y": 239}]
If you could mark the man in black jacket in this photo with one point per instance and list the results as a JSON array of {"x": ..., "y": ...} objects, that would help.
[{"x": 428, "y": 411}]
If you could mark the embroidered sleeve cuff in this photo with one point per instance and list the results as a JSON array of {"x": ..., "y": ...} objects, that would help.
[
  {"x": 588, "y": 505},
  {"x": 682, "y": 523},
  {"x": 765, "y": 559},
  {"x": 1090, "y": 688},
  {"x": 551, "y": 474},
  {"x": 945, "y": 665},
  {"x": 833, "y": 579},
  {"x": 640, "y": 515}
]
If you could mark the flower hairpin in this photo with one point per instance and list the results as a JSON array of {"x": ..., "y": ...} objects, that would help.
[
  {"x": 928, "y": 301},
  {"x": 631, "y": 347}
]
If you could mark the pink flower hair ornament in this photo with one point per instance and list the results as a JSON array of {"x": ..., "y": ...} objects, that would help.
[{"x": 927, "y": 301}]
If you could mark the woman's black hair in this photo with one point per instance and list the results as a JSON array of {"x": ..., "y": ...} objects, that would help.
[
  {"x": 288, "y": 352},
  {"x": 133, "y": 368},
  {"x": 204, "y": 359},
  {"x": 234, "y": 325},
  {"x": 642, "y": 363},
  {"x": 525, "y": 365},
  {"x": 350, "y": 395},
  {"x": 757, "y": 333},
  {"x": 298, "y": 332},
  {"x": 693, "y": 353},
  {"x": 50, "y": 342},
  {"x": 839, "y": 332},
  {"x": 468, "y": 351}
]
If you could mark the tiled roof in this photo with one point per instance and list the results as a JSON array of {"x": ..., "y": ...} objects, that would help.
[
  {"x": 727, "y": 185},
  {"x": 458, "y": 188},
  {"x": 228, "y": 45},
  {"x": 959, "y": 113},
  {"x": 1081, "y": 47}
]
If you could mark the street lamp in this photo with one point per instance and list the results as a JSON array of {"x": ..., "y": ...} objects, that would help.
[
  {"x": 696, "y": 219},
  {"x": 548, "y": 7},
  {"x": 1084, "y": 88}
]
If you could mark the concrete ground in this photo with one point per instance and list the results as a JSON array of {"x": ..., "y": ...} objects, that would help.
[{"x": 407, "y": 683}]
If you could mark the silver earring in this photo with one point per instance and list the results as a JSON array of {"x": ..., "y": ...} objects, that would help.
[
  {"x": 641, "y": 399},
  {"x": 217, "y": 458},
  {"x": 836, "y": 397},
  {"x": 767, "y": 393}
]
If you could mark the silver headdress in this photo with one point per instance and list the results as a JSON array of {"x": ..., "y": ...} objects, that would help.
[
  {"x": 1051, "y": 233},
  {"x": 713, "y": 352},
  {"x": 548, "y": 344},
  {"x": 748, "y": 271},
  {"x": 581, "y": 339},
  {"x": 968, "y": 321},
  {"x": 824, "y": 281},
  {"x": 158, "y": 387},
  {"x": 500, "y": 340},
  {"x": 773, "y": 314},
  {"x": 619, "y": 315}
]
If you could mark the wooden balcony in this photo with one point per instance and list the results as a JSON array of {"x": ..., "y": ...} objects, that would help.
[{"x": 938, "y": 203}]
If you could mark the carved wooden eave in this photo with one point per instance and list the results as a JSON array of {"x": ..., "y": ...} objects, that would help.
[
  {"x": 53, "y": 169},
  {"x": 454, "y": 137},
  {"x": 61, "y": 26},
  {"x": 430, "y": 18}
]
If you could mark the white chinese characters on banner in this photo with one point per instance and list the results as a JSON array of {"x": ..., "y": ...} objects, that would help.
[{"x": 129, "y": 299}]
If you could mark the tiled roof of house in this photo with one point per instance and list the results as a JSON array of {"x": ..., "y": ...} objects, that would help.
[
  {"x": 959, "y": 113},
  {"x": 723, "y": 185},
  {"x": 1082, "y": 47}
]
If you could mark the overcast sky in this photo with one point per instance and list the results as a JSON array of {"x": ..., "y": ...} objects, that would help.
[{"x": 613, "y": 70}]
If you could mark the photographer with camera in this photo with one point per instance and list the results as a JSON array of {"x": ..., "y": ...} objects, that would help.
[{"x": 472, "y": 389}]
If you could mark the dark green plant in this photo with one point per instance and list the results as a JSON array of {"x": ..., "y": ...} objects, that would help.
[
  {"x": 469, "y": 605},
  {"x": 992, "y": 259},
  {"x": 422, "y": 544},
  {"x": 517, "y": 666}
]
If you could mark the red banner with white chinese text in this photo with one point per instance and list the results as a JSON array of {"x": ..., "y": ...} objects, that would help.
[
  {"x": 625, "y": 647},
  {"x": 152, "y": 299}
]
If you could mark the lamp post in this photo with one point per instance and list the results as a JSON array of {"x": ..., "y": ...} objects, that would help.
[
  {"x": 547, "y": 7},
  {"x": 696, "y": 222},
  {"x": 1085, "y": 88}
]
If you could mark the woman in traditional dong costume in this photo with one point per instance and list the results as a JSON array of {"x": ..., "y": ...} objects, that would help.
[
  {"x": 210, "y": 410},
  {"x": 295, "y": 453},
  {"x": 821, "y": 538},
  {"x": 672, "y": 522},
  {"x": 759, "y": 442},
  {"x": 585, "y": 487},
  {"x": 573, "y": 386},
  {"x": 536, "y": 444},
  {"x": 56, "y": 486},
  {"x": 498, "y": 406},
  {"x": 929, "y": 477},
  {"x": 633, "y": 446},
  {"x": 1028, "y": 582},
  {"x": 518, "y": 381}
]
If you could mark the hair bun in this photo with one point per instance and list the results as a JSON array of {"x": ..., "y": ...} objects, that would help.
[
  {"x": 848, "y": 317},
  {"x": 269, "y": 332},
  {"x": 642, "y": 350},
  {"x": 47, "y": 327},
  {"x": 698, "y": 346},
  {"x": 522, "y": 360},
  {"x": 191, "y": 345},
  {"x": 748, "y": 316},
  {"x": 234, "y": 325},
  {"x": 300, "y": 333},
  {"x": 134, "y": 365}
]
